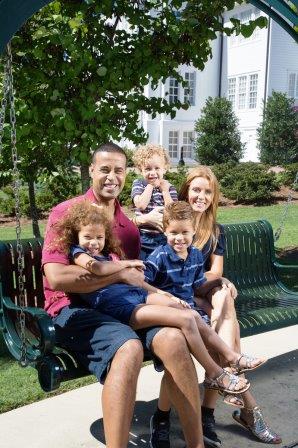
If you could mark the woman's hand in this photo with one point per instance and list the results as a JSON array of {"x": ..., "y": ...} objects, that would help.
[{"x": 231, "y": 287}]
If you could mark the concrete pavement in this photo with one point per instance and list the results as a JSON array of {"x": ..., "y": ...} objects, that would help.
[{"x": 74, "y": 419}]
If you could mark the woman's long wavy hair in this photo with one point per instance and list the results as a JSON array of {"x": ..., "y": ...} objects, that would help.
[
  {"x": 80, "y": 214},
  {"x": 206, "y": 226}
]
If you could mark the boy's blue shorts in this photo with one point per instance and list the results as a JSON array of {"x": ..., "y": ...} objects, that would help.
[{"x": 94, "y": 338}]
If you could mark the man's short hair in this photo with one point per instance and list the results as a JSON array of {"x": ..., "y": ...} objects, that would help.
[
  {"x": 177, "y": 211},
  {"x": 108, "y": 147}
]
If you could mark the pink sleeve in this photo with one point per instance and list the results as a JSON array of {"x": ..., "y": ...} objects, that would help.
[{"x": 114, "y": 257}]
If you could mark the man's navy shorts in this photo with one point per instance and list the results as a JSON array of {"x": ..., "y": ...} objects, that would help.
[{"x": 94, "y": 338}]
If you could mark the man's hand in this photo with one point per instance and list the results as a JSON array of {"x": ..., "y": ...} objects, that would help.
[
  {"x": 152, "y": 219},
  {"x": 181, "y": 302},
  {"x": 139, "y": 264},
  {"x": 132, "y": 276}
]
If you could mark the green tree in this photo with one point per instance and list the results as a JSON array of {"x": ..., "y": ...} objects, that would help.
[
  {"x": 218, "y": 139},
  {"x": 80, "y": 68},
  {"x": 277, "y": 134}
]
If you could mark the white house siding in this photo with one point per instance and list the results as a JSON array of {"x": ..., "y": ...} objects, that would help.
[
  {"x": 244, "y": 59},
  {"x": 283, "y": 61}
]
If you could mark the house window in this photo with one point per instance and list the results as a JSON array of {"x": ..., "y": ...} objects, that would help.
[
  {"x": 253, "y": 91},
  {"x": 232, "y": 91},
  {"x": 188, "y": 144},
  {"x": 173, "y": 90},
  {"x": 293, "y": 85},
  {"x": 244, "y": 17},
  {"x": 241, "y": 92},
  {"x": 173, "y": 144},
  {"x": 189, "y": 90}
]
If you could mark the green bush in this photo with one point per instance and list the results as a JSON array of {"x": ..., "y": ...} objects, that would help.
[
  {"x": 129, "y": 153},
  {"x": 125, "y": 198},
  {"x": 7, "y": 201},
  {"x": 177, "y": 178},
  {"x": 288, "y": 176},
  {"x": 248, "y": 183}
]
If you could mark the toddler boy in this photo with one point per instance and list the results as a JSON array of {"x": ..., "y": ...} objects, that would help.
[{"x": 151, "y": 191}]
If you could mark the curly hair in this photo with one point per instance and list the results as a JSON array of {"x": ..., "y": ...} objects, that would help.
[
  {"x": 145, "y": 152},
  {"x": 81, "y": 214},
  {"x": 177, "y": 211}
]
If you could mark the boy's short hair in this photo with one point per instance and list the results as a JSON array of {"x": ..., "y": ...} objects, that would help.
[
  {"x": 142, "y": 153},
  {"x": 177, "y": 211}
]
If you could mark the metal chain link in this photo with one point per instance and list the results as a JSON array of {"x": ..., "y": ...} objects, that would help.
[
  {"x": 285, "y": 211},
  {"x": 8, "y": 98}
]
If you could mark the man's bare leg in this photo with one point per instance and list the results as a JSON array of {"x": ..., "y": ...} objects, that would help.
[
  {"x": 119, "y": 393},
  {"x": 181, "y": 380}
]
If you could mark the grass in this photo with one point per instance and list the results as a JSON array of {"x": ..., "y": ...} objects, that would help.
[{"x": 20, "y": 386}]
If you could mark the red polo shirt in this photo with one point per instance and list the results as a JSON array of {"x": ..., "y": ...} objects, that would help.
[{"x": 123, "y": 228}]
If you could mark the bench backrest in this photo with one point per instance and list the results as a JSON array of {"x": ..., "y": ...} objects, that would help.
[
  {"x": 32, "y": 272},
  {"x": 249, "y": 254},
  {"x": 248, "y": 261}
]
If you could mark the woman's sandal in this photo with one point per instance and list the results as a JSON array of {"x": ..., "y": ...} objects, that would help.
[
  {"x": 248, "y": 364},
  {"x": 232, "y": 400},
  {"x": 258, "y": 427},
  {"x": 217, "y": 383}
]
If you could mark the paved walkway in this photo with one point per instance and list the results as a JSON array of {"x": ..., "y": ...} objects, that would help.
[{"x": 74, "y": 419}]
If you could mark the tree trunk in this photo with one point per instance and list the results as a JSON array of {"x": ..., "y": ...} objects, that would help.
[
  {"x": 33, "y": 210},
  {"x": 85, "y": 179}
]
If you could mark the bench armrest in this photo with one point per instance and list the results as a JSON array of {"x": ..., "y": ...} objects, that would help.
[{"x": 39, "y": 330}]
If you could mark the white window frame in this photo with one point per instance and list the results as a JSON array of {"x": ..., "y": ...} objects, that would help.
[
  {"x": 173, "y": 142},
  {"x": 173, "y": 90},
  {"x": 244, "y": 17},
  {"x": 243, "y": 90},
  {"x": 188, "y": 138},
  {"x": 190, "y": 89}
]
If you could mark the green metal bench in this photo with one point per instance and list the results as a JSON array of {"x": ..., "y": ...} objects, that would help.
[{"x": 264, "y": 303}]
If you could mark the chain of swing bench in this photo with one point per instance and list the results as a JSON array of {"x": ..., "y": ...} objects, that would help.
[{"x": 8, "y": 99}]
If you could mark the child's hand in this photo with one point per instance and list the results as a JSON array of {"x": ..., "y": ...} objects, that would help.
[
  {"x": 181, "y": 302},
  {"x": 135, "y": 264},
  {"x": 164, "y": 185},
  {"x": 230, "y": 286}
]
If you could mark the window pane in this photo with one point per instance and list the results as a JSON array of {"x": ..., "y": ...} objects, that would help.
[
  {"x": 188, "y": 144},
  {"x": 241, "y": 92},
  {"x": 189, "y": 91},
  {"x": 253, "y": 91},
  {"x": 173, "y": 90},
  {"x": 232, "y": 91},
  {"x": 173, "y": 144}
]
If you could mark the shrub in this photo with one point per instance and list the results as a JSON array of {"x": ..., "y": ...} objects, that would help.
[
  {"x": 276, "y": 134},
  {"x": 218, "y": 137},
  {"x": 177, "y": 178},
  {"x": 248, "y": 183},
  {"x": 7, "y": 201},
  {"x": 125, "y": 198},
  {"x": 288, "y": 176}
]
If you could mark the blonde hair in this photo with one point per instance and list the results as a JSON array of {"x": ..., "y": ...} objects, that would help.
[
  {"x": 206, "y": 226},
  {"x": 178, "y": 211},
  {"x": 145, "y": 152},
  {"x": 80, "y": 214}
]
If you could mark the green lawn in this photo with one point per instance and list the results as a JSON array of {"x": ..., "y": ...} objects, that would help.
[{"x": 20, "y": 386}]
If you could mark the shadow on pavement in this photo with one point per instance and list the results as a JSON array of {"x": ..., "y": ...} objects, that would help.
[{"x": 275, "y": 387}]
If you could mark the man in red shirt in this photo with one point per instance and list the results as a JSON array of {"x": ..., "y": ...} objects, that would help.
[{"x": 109, "y": 349}]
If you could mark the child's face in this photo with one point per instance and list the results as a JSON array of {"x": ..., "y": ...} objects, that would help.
[
  {"x": 180, "y": 235},
  {"x": 153, "y": 170},
  {"x": 200, "y": 195},
  {"x": 92, "y": 238}
]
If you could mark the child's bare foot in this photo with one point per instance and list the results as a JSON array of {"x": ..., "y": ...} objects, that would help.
[
  {"x": 245, "y": 363},
  {"x": 227, "y": 382}
]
